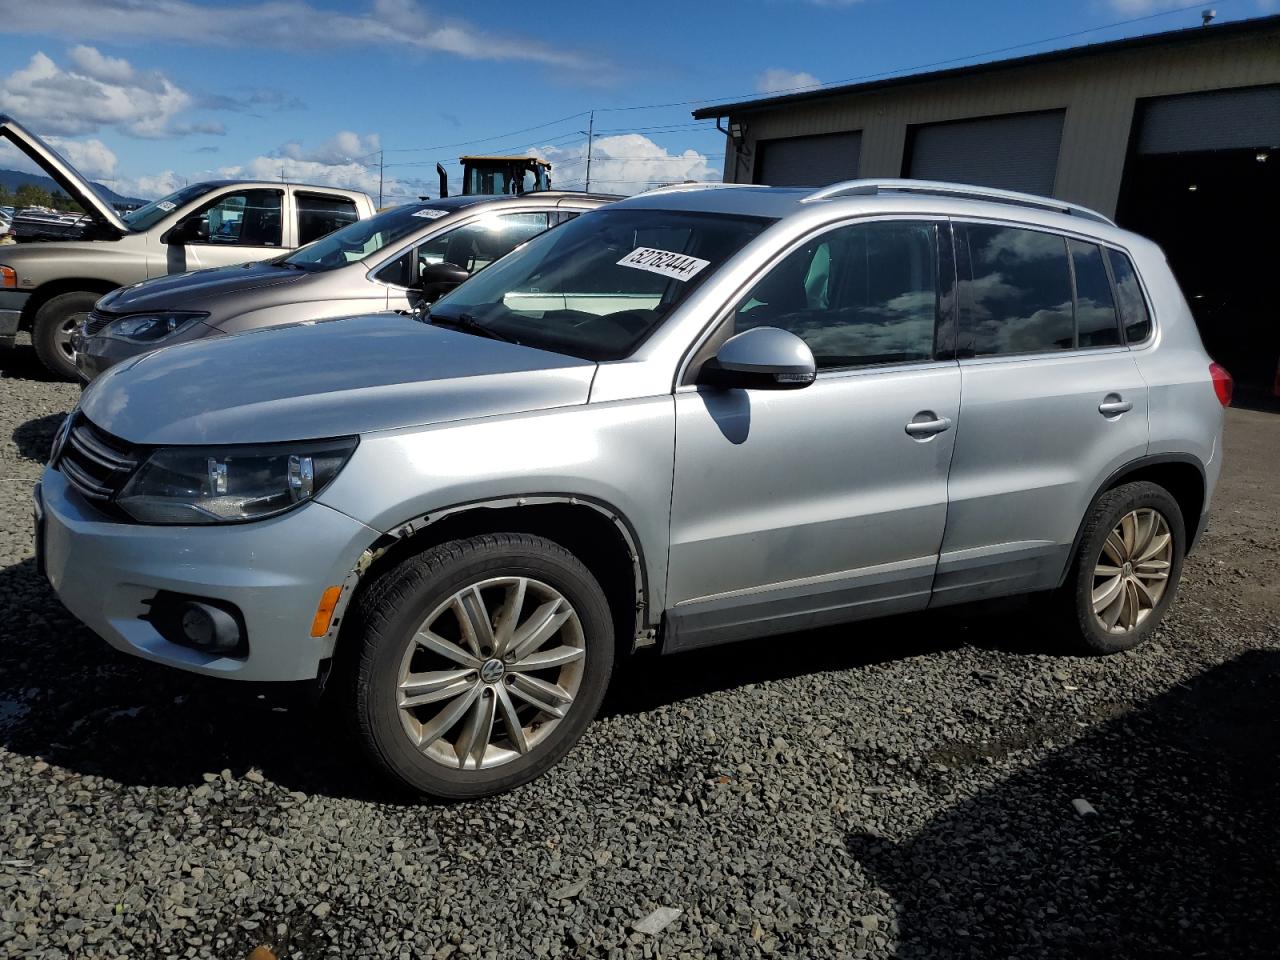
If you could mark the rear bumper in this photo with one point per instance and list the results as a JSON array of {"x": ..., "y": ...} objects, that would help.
[
  {"x": 273, "y": 571},
  {"x": 12, "y": 303}
]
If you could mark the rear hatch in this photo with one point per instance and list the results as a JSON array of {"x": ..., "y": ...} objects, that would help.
[{"x": 66, "y": 176}]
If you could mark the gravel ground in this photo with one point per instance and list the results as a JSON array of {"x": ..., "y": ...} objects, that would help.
[{"x": 901, "y": 788}]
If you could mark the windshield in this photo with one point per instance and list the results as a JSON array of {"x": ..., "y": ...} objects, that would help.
[
  {"x": 356, "y": 241},
  {"x": 146, "y": 217},
  {"x": 599, "y": 285}
]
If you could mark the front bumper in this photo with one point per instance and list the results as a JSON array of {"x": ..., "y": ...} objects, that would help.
[
  {"x": 11, "y": 304},
  {"x": 273, "y": 570}
]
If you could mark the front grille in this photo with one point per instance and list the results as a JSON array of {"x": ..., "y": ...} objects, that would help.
[
  {"x": 96, "y": 321},
  {"x": 97, "y": 464}
]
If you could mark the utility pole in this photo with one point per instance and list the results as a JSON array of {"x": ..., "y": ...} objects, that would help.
[
  {"x": 379, "y": 179},
  {"x": 591, "y": 126}
]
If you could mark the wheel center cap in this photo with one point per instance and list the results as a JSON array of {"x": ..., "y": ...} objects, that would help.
[
  {"x": 492, "y": 671},
  {"x": 1128, "y": 569}
]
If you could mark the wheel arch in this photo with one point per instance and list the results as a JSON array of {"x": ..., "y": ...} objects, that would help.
[
  {"x": 1181, "y": 474},
  {"x": 594, "y": 531},
  {"x": 53, "y": 288}
]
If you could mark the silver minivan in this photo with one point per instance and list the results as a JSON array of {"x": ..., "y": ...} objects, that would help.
[
  {"x": 687, "y": 418},
  {"x": 48, "y": 287},
  {"x": 397, "y": 260}
]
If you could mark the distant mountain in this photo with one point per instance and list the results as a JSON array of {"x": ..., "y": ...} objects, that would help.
[{"x": 13, "y": 179}]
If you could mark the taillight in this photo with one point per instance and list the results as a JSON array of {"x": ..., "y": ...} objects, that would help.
[
  {"x": 1222, "y": 383},
  {"x": 8, "y": 278}
]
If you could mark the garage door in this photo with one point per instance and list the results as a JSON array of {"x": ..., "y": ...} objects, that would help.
[
  {"x": 808, "y": 161},
  {"x": 1014, "y": 152},
  {"x": 1217, "y": 120}
]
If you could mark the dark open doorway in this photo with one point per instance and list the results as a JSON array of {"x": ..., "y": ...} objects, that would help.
[{"x": 1217, "y": 215}]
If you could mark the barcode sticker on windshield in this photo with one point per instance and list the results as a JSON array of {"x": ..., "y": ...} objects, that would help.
[
  {"x": 166, "y": 205},
  {"x": 678, "y": 266},
  {"x": 429, "y": 213}
]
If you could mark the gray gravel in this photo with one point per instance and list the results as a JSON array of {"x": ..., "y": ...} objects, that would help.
[{"x": 909, "y": 788}]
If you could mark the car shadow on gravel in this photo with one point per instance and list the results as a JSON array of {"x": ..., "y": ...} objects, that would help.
[
  {"x": 650, "y": 681},
  {"x": 1179, "y": 860},
  {"x": 21, "y": 362},
  {"x": 35, "y": 437}
]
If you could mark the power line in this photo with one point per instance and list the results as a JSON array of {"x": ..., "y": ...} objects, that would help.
[{"x": 499, "y": 136}]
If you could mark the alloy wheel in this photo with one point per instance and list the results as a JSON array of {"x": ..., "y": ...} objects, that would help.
[
  {"x": 64, "y": 336},
  {"x": 491, "y": 672},
  {"x": 1132, "y": 571}
]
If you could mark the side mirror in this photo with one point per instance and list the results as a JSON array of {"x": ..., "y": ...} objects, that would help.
[
  {"x": 765, "y": 358},
  {"x": 437, "y": 279},
  {"x": 191, "y": 230}
]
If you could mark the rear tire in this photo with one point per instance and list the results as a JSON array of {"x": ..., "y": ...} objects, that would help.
[
  {"x": 481, "y": 604},
  {"x": 1126, "y": 571},
  {"x": 55, "y": 322}
]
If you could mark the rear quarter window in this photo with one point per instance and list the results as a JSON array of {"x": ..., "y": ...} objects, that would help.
[{"x": 1134, "y": 315}]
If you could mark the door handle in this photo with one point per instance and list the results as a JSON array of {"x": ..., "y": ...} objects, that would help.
[
  {"x": 927, "y": 423},
  {"x": 1113, "y": 405}
]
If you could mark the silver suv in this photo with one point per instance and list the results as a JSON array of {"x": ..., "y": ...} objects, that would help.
[
  {"x": 394, "y": 261},
  {"x": 687, "y": 418}
]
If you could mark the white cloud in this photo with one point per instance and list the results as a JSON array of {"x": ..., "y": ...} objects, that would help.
[
  {"x": 95, "y": 64},
  {"x": 335, "y": 163},
  {"x": 342, "y": 147},
  {"x": 91, "y": 157},
  {"x": 777, "y": 80},
  {"x": 630, "y": 163},
  {"x": 96, "y": 92},
  {"x": 281, "y": 24}
]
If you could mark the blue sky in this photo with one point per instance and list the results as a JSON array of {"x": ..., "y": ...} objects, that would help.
[{"x": 147, "y": 94}]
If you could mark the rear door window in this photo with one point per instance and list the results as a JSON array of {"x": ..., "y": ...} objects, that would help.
[
  {"x": 1017, "y": 297},
  {"x": 319, "y": 214},
  {"x": 1096, "y": 322}
]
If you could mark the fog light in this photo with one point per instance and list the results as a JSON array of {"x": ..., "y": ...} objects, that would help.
[{"x": 210, "y": 626}]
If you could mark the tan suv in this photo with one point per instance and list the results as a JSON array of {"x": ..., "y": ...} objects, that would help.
[{"x": 50, "y": 287}]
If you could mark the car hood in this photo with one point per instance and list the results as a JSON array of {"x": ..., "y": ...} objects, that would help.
[
  {"x": 327, "y": 379},
  {"x": 181, "y": 290},
  {"x": 64, "y": 174}
]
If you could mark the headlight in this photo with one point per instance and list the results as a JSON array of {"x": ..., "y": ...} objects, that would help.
[
  {"x": 150, "y": 327},
  {"x": 228, "y": 484}
]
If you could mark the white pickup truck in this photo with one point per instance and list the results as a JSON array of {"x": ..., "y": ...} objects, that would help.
[{"x": 48, "y": 287}]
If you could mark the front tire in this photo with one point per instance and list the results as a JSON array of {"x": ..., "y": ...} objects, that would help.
[
  {"x": 480, "y": 664},
  {"x": 55, "y": 322},
  {"x": 1125, "y": 575}
]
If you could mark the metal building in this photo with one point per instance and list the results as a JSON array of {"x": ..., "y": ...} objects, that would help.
[{"x": 1176, "y": 135}]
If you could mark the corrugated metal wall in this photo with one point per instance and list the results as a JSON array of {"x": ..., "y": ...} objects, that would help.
[{"x": 1098, "y": 93}]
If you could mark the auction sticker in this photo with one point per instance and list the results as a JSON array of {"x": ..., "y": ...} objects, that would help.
[
  {"x": 430, "y": 213},
  {"x": 678, "y": 266},
  {"x": 166, "y": 205}
]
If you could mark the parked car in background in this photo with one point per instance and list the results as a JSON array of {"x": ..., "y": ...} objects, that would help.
[
  {"x": 687, "y": 418},
  {"x": 39, "y": 224},
  {"x": 393, "y": 261},
  {"x": 49, "y": 287}
]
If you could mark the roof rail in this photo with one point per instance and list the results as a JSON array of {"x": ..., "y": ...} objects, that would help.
[
  {"x": 960, "y": 191},
  {"x": 697, "y": 185}
]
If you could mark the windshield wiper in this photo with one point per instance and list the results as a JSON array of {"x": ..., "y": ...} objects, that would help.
[{"x": 469, "y": 324}]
